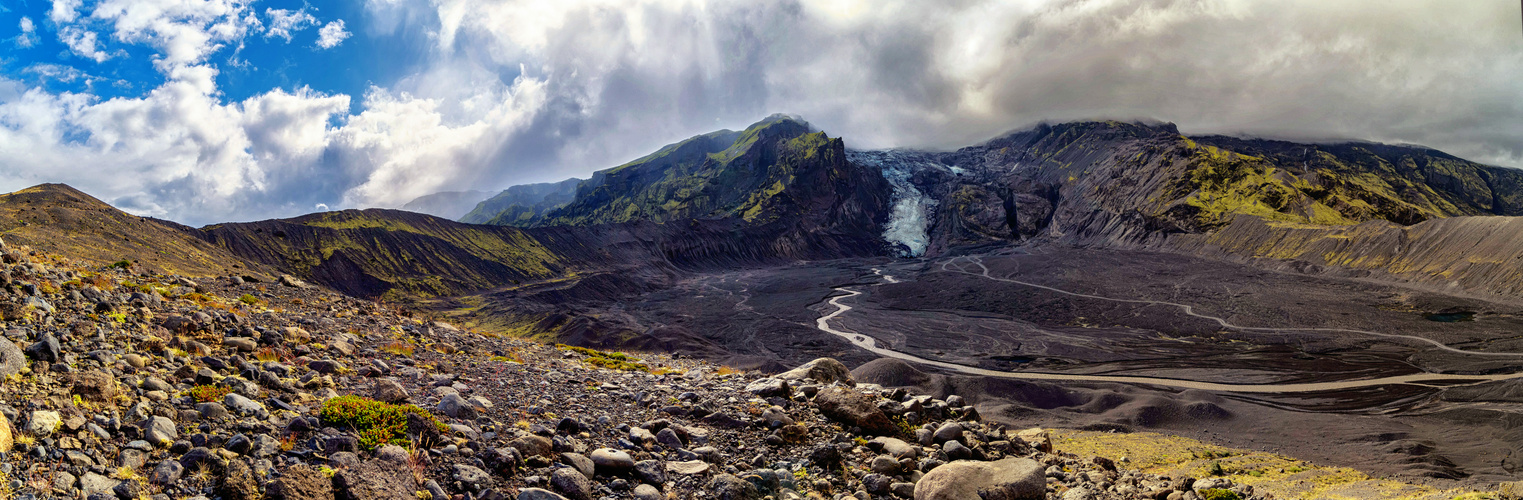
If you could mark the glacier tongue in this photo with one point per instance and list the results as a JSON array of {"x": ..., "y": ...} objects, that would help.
[{"x": 909, "y": 221}]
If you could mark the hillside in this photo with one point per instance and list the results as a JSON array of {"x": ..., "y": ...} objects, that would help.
[
  {"x": 394, "y": 254},
  {"x": 523, "y": 203},
  {"x": 448, "y": 204},
  {"x": 61, "y": 220},
  {"x": 1478, "y": 254}
]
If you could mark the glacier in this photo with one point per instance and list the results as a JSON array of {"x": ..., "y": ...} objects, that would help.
[{"x": 909, "y": 219}]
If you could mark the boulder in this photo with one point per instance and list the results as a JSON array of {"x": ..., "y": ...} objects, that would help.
[
  {"x": 822, "y": 370},
  {"x": 374, "y": 480},
  {"x": 300, "y": 482},
  {"x": 1008, "y": 479},
  {"x": 855, "y": 409},
  {"x": 768, "y": 387},
  {"x": 571, "y": 483}
]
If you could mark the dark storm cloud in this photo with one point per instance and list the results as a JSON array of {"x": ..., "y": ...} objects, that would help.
[{"x": 515, "y": 92}]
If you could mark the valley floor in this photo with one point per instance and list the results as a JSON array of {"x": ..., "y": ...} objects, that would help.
[{"x": 1331, "y": 370}]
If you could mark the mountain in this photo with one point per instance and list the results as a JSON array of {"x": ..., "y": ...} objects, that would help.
[
  {"x": 59, "y": 219},
  {"x": 1112, "y": 183},
  {"x": 776, "y": 171},
  {"x": 522, "y": 203},
  {"x": 448, "y": 204}
]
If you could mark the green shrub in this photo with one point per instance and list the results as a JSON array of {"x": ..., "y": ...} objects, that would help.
[
  {"x": 604, "y": 359},
  {"x": 1219, "y": 494},
  {"x": 122, "y": 264},
  {"x": 377, "y": 423},
  {"x": 248, "y": 299}
]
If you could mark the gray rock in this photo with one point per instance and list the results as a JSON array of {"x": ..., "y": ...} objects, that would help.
[
  {"x": 886, "y": 465},
  {"x": 300, "y": 482},
  {"x": 392, "y": 453},
  {"x": 729, "y": 487},
  {"x": 877, "y": 484},
  {"x": 948, "y": 432},
  {"x": 668, "y": 438},
  {"x": 580, "y": 462},
  {"x": 241, "y": 344},
  {"x": 902, "y": 490},
  {"x": 45, "y": 349},
  {"x": 768, "y": 387},
  {"x": 956, "y": 451},
  {"x": 211, "y": 411},
  {"x": 530, "y": 446},
  {"x": 611, "y": 461},
  {"x": 538, "y": 494},
  {"x": 855, "y": 409},
  {"x": 894, "y": 447},
  {"x": 168, "y": 472},
  {"x": 12, "y": 360},
  {"x": 1008, "y": 479},
  {"x": 651, "y": 471},
  {"x": 688, "y": 468},
  {"x": 95, "y": 483},
  {"x": 472, "y": 478},
  {"x": 390, "y": 391},
  {"x": 245, "y": 406},
  {"x": 42, "y": 423},
  {"x": 647, "y": 492},
  {"x": 374, "y": 480},
  {"x": 571, "y": 483},
  {"x": 822, "y": 370},
  {"x": 457, "y": 407}
]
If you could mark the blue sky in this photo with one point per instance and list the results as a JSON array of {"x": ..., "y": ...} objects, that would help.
[{"x": 203, "y": 111}]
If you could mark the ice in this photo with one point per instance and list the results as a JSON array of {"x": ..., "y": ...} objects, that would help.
[{"x": 909, "y": 219}]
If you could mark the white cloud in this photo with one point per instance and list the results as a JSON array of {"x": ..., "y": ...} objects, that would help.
[
  {"x": 332, "y": 34},
  {"x": 64, "y": 11},
  {"x": 82, "y": 42},
  {"x": 284, "y": 23},
  {"x": 519, "y": 91},
  {"x": 28, "y": 36}
]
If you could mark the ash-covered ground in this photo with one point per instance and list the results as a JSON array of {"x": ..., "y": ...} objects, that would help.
[{"x": 1120, "y": 313}]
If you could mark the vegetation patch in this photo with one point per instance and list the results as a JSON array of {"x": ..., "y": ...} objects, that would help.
[
  {"x": 375, "y": 422},
  {"x": 603, "y": 359},
  {"x": 209, "y": 393}
]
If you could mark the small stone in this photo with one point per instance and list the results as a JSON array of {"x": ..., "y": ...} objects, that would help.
[
  {"x": 647, "y": 492},
  {"x": 538, "y": 494},
  {"x": 688, "y": 468}
]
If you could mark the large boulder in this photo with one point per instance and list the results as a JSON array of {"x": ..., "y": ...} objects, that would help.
[
  {"x": 374, "y": 480},
  {"x": 300, "y": 482},
  {"x": 855, "y": 409},
  {"x": 822, "y": 370},
  {"x": 1008, "y": 479}
]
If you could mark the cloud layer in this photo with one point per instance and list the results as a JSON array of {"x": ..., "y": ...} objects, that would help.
[{"x": 514, "y": 92}]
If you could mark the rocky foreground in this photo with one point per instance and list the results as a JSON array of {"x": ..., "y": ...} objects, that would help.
[{"x": 126, "y": 385}]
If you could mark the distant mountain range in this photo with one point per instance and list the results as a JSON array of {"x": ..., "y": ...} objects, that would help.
[{"x": 780, "y": 191}]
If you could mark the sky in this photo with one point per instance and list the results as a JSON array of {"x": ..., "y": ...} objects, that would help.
[{"x": 203, "y": 111}]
